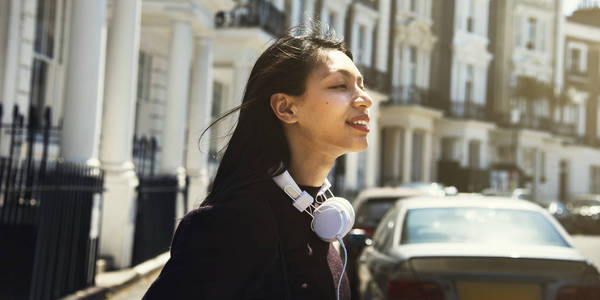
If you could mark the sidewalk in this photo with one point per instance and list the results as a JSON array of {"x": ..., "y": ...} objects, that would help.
[{"x": 123, "y": 284}]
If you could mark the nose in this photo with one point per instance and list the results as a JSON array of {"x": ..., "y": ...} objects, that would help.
[{"x": 362, "y": 99}]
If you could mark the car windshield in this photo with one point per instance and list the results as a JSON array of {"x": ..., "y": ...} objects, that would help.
[
  {"x": 480, "y": 226},
  {"x": 372, "y": 210}
]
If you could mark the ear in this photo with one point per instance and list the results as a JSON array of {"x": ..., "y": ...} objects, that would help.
[{"x": 283, "y": 107}]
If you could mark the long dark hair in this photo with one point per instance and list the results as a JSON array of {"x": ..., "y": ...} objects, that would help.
[{"x": 258, "y": 148}]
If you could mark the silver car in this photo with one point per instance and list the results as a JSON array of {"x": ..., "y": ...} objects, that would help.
[{"x": 473, "y": 247}]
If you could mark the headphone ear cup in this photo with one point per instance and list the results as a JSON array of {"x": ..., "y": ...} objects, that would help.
[
  {"x": 333, "y": 217},
  {"x": 348, "y": 213},
  {"x": 328, "y": 221}
]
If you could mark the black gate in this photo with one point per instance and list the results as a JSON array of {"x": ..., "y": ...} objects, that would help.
[
  {"x": 49, "y": 212},
  {"x": 156, "y": 199}
]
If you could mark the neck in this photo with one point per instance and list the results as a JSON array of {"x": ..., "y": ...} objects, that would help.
[{"x": 308, "y": 166}]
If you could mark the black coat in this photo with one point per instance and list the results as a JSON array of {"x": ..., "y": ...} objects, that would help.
[{"x": 231, "y": 250}]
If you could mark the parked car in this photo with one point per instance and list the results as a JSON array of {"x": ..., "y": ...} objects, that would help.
[
  {"x": 473, "y": 247},
  {"x": 559, "y": 211},
  {"x": 585, "y": 213},
  {"x": 518, "y": 193},
  {"x": 369, "y": 206},
  {"x": 432, "y": 188}
]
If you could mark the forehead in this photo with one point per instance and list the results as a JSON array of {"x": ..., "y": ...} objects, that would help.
[{"x": 334, "y": 61}]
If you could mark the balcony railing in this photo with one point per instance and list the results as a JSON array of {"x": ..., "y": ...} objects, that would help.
[
  {"x": 467, "y": 110},
  {"x": 256, "y": 13},
  {"x": 564, "y": 129},
  {"x": 370, "y": 3},
  {"x": 413, "y": 95},
  {"x": 375, "y": 79},
  {"x": 526, "y": 121},
  {"x": 577, "y": 73}
]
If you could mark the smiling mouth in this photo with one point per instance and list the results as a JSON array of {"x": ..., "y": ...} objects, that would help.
[{"x": 360, "y": 125}]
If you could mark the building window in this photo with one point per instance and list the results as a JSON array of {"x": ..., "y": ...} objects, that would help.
[
  {"x": 469, "y": 85},
  {"x": 47, "y": 46},
  {"x": 575, "y": 59},
  {"x": 412, "y": 66},
  {"x": 448, "y": 148},
  {"x": 595, "y": 179},
  {"x": 144, "y": 76},
  {"x": 417, "y": 157},
  {"x": 412, "y": 5},
  {"x": 471, "y": 16},
  {"x": 474, "y": 149},
  {"x": 531, "y": 33},
  {"x": 361, "y": 44}
]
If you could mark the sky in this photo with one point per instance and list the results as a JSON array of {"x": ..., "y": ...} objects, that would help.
[{"x": 570, "y": 5}]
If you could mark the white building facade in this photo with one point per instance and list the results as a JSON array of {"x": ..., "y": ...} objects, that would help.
[{"x": 115, "y": 70}]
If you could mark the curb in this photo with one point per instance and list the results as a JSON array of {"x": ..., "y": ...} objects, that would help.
[{"x": 112, "y": 282}]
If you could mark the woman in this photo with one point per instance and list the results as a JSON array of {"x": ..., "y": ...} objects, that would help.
[{"x": 304, "y": 106}]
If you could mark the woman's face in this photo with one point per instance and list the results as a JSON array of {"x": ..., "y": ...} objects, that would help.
[{"x": 333, "y": 112}]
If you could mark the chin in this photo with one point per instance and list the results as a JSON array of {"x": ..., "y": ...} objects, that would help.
[{"x": 360, "y": 146}]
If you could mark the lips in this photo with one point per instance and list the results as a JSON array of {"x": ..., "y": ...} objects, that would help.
[{"x": 360, "y": 123}]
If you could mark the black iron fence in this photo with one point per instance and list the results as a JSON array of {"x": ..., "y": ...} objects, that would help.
[
  {"x": 564, "y": 129},
  {"x": 156, "y": 203},
  {"x": 254, "y": 13},
  {"x": 414, "y": 95},
  {"x": 374, "y": 4},
  {"x": 525, "y": 120},
  {"x": 375, "y": 79},
  {"x": 49, "y": 214},
  {"x": 467, "y": 110}
]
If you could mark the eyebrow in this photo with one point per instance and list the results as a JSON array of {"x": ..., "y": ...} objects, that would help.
[{"x": 344, "y": 73}]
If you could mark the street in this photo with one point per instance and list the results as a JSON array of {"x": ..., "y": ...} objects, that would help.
[{"x": 589, "y": 246}]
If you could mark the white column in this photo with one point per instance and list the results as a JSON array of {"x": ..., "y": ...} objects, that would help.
[
  {"x": 85, "y": 82},
  {"x": 427, "y": 156},
  {"x": 241, "y": 72},
  {"x": 486, "y": 18},
  {"x": 177, "y": 99},
  {"x": 351, "y": 178},
  {"x": 309, "y": 10},
  {"x": 11, "y": 62},
  {"x": 120, "y": 88},
  {"x": 407, "y": 159},
  {"x": 199, "y": 118},
  {"x": 383, "y": 25},
  {"x": 372, "y": 164}
]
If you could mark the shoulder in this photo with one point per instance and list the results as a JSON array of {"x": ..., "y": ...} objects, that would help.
[{"x": 242, "y": 214}]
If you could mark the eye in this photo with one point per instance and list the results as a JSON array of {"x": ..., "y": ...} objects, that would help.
[{"x": 341, "y": 86}]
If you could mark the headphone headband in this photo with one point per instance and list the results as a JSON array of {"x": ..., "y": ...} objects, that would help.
[{"x": 302, "y": 200}]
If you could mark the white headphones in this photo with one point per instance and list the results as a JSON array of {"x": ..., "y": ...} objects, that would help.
[{"x": 332, "y": 219}]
